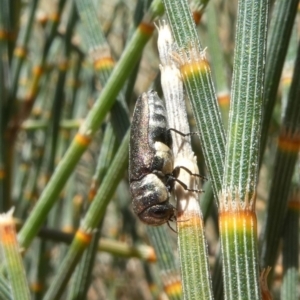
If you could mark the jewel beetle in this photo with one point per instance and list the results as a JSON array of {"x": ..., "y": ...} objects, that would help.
[{"x": 151, "y": 172}]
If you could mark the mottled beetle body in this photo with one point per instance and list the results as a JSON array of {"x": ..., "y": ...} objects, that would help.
[{"x": 151, "y": 161}]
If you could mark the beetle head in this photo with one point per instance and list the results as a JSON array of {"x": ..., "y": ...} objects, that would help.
[{"x": 151, "y": 200}]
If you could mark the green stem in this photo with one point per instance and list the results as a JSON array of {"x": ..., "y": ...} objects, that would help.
[
  {"x": 91, "y": 220},
  {"x": 237, "y": 219},
  {"x": 90, "y": 126},
  {"x": 197, "y": 80},
  {"x": 283, "y": 16}
]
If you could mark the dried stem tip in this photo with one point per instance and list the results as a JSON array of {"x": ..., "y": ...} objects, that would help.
[
  {"x": 7, "y": 228},
  {"x": 165, "y": 42}
]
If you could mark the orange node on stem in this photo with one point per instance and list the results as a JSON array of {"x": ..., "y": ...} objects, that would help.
[
  {"x": 294, "y": 205},
  {"x": 36, "y": 287},
  {"x": 2, "y": 173},
  {"x": 82, "y": 140},
  {"x": 289, "y": 143},
  {"x": 224, "y": 99},
  {"x": 104, "y": 63},
  {"x": 197, "y": 15},
  {"x": 38, "y": 70},
  {"x": 3, "y": 34},
  {"x": 83, "y": 236},
  {"x": 8, "y": 234},
  {"x": 146, "y": 28},
  {"x": 194, "y": 66},
  {"x": 55, "y": 17},
  {"x": 20, "y": 52},
  {"x": 7, "y": 35},
  {"x": 92, "y": 193},
  {"x": 152, "y": 255},
  {"x": 189, "y": 219},
  {"x": 237, "y": 220},
  {"x": 173, "y": 288}
]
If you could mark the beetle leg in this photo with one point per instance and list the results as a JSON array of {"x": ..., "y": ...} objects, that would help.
[
  {"x": 181, "y": 133},
  {"x": 168, "y": 222},
  {"x": 187, "y": 170},
  {"x": 185, "y": 186}
]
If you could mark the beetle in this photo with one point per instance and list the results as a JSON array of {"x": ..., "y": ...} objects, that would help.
[{"x": 151, "y": 172}]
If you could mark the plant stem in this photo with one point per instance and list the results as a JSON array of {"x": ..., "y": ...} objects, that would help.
[
  {"x": 82, "y": 139},
  {"x": 90, "y": 222},
  {"x": 237, "y": 218},
  {"x": 283, "y": 16},
  {"x": 198, "y": 83}
]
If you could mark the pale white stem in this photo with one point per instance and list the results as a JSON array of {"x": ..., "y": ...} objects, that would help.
[{"x": 172, "y": 86}]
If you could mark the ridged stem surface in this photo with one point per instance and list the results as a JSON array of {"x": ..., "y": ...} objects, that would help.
[
  {"x": 12, "y": 258},
  {"x": 90, "y": 222},
  {"x": 169, "y": 270},
  {"x": 283, "y": 16},
  {"x": 196, "y": 76},
  {"x": 290, "y": 251},
  {"x": 82, "y": 139},
  {"x": 288, "y": 146},
  {"x": 237, "y": 218},
  {"x": 191, "y": 238},
  {"x": 241, "y": 169}
]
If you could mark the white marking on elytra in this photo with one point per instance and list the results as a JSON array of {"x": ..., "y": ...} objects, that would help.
[{"x": 159, "y": 146}]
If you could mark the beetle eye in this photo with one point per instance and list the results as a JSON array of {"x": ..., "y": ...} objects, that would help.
[
  {"x": 157, "y": 214},
  {"x": 160, "y": 212}
]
